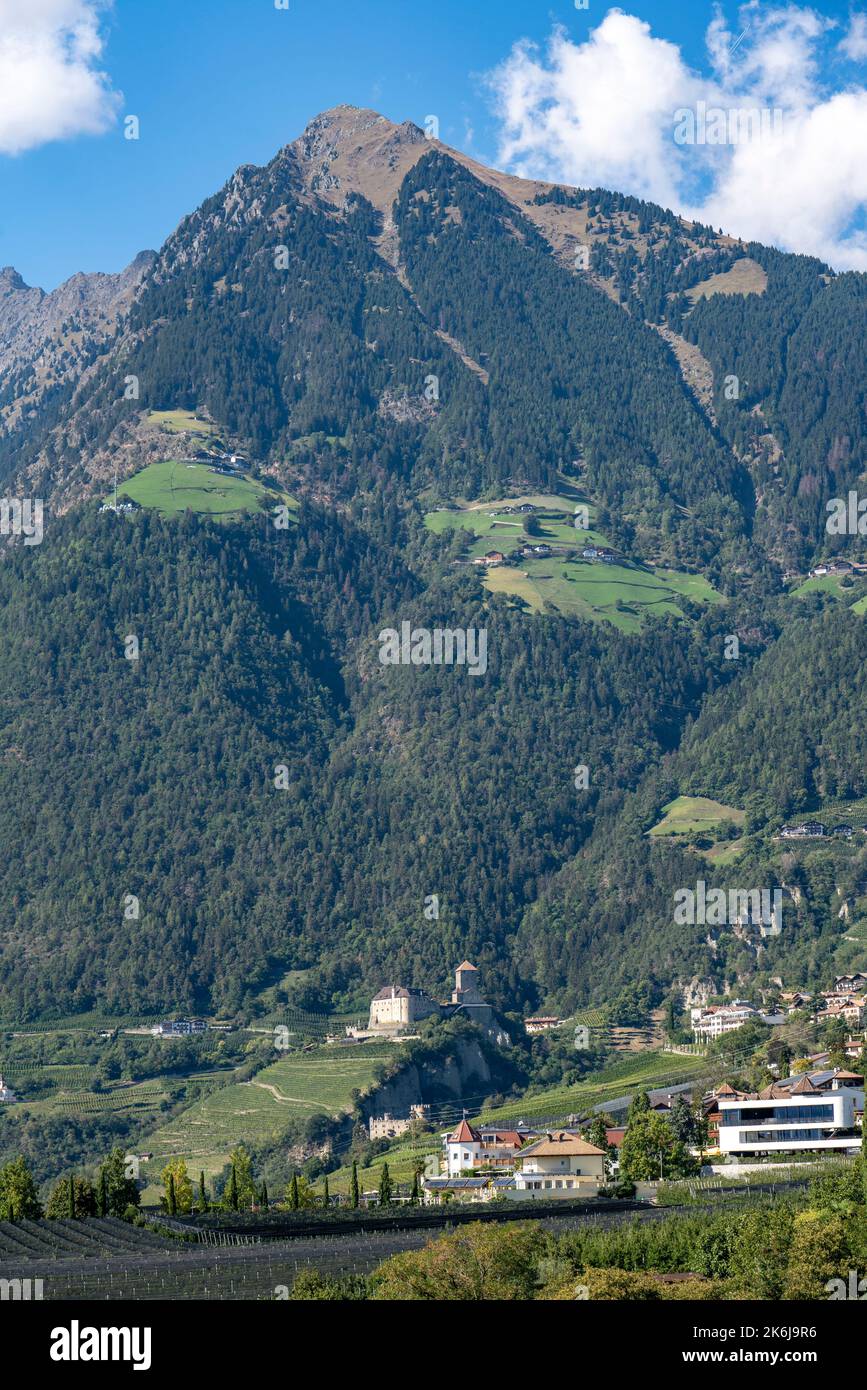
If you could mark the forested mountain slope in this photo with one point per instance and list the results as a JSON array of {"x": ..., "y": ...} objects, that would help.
[
  {"x": 782, "y": 744},
  {"x": 156, "y": 777},
  {"x": 388, "y": 329}
]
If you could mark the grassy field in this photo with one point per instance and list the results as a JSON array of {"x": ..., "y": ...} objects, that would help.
[
  {"x": 494, "y": 528},
  {"x": 700, "y": 816},
  {"x": 821, "y": 584},
  {"x": 745, "y": 277},
  {"x": 172, "y": 488},
  {"x": 620, "y": 594},
  {"x": 695, "y": 815},
  {"x": 180, "y": 421}
]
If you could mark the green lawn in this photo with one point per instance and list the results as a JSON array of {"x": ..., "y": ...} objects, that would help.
[
  {"x": 495, "y": 528},
  {"x": 179, "y": 421},
  {"x": 724, "y": 852},
  {"x": 695, "y": 815},
  {"x": 620, "y": 594},
  {"x": 172, "y": 488},
  {"x": 822, "y": 584}
]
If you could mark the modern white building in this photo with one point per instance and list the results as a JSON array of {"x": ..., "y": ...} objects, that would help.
[
  {"x": 806, "y": 1113},
  {"x": 716, "y": 1019}
]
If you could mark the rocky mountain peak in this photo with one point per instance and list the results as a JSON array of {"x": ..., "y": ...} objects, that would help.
[
  {"x": 351, "y": 149},
  {"x": 11, "y": 280}
]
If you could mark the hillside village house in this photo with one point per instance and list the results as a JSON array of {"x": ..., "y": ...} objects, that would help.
[
  {"x": 848, "y": 1007},
  {"x": 849, "y": 984},
  {"x": 716, "y": 1019},
  {"x": 469, "y": 1148},
  {"x": 560, "y": 1165},
  {"x": 542, "y": 1024}
]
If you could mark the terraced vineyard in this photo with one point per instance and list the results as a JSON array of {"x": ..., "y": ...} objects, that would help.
[
  {"x": 144, "y": 1095},
  {"x": 296, "y": 1086},
  {"x": 641, "y": 1072}
]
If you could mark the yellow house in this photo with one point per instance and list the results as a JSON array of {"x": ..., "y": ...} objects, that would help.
[{"x": 560, "y": 1165}]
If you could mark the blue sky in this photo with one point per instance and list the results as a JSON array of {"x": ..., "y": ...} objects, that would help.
[{"x": 218, "y": 83}]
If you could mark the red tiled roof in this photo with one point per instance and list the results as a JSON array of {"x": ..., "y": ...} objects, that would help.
[
  {"x": 561, "y": 1143},
  {"x": 508, "y": 1136},
  {"x": 465, "y": 1134}
]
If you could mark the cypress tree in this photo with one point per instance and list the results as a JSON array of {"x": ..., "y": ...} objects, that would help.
[
  {"x": 326, "y": 1195},
  {"x": 414, "y": 1195},
  {"x": 385, "y": 1186},
  {"x": 293, "y": 1193},
  {"x": 173, "y": 1201},
  {"x": 264, "y": 1198},
  {"x": 103, "y": 1192},
  {"x": 203, "y": 1192},
  {"x": 233, "y": 1190},
  {"x": 72, "y": 1196},
  {"x": 353, "y": 1185}
]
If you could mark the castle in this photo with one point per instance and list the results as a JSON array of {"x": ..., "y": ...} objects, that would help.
[{"x": 395, "y": 1009}]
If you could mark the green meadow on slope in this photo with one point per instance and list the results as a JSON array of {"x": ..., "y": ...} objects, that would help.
[
  {"x": 695, "y": 815},
  {"x": 621, "y": 594},
  {"x": 171, "y": 488}
]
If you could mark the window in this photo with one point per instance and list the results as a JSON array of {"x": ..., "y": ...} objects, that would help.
[{"x": 780, "y": 1136}]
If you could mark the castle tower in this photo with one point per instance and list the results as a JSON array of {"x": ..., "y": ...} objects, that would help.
[{"x": 466, "y": 989}]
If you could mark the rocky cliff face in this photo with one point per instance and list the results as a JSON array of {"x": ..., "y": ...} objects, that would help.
[
  {"x": 464, "y": 1073},
  {"x": 47, "y": 340}
]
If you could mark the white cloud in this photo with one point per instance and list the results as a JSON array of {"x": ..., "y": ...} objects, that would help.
[
  {"x": 854, "y": 45},
  {"x": 601, "y": 112},
  {"x": 51, "y": 84}
]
